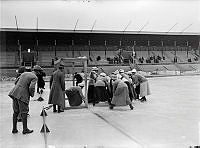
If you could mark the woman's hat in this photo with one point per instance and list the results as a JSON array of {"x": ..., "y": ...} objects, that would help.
[
  {"x": 95, "y": 69},
  {"x": 103, "y": 74},
  {"x": 133, "y": 70}
]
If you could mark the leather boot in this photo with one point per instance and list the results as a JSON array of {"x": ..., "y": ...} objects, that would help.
[
  {"x": 131, "y": 106},
  {"x": 24, "y": 121},
  {"x": 14, "y": 130},
  {"x": 54, "y": 108},
  {"x": 59, "y": 109}
]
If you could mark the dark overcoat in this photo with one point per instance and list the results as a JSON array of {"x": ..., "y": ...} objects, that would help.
[
  {"x": 57, "y": 89},
  {"x": 24, "y": 87}
]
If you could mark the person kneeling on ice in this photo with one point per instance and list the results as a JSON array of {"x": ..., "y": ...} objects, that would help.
[
  {"x": 120, "y": 94},
  {"x": 75, "y": 95}
]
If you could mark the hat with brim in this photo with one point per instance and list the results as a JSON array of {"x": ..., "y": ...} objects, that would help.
[
  {"x": 95, "y": 69},
  {"x": 81, "y": 84},
  {"x": 103, "y": 74},
  {"x": 133, "y": 71},
  {"x": 37, "y": 68},
  {"x": 121, "y": 71}
]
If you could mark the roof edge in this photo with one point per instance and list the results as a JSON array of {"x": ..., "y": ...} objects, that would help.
[{"x": 98, "y": 31}]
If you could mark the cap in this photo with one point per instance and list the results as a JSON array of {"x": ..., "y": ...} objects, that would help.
[
  {"x": 133, "y": 70},
  {"x": 21, "y": 69},
  {"x": 95, "y": 69},
  {"x": 81, "y": 84},
  {"x": 121, "y": 71},
  {"x": 57, "y": 62},
  {"x": 37, "y": 67},
  {"x": 62, "y": 64}
]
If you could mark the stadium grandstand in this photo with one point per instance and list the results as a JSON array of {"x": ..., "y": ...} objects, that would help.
[{"x": 146, "y": 50}]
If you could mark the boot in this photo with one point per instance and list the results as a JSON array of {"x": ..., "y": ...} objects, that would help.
[
  {"x": 143, "y": 99},
  {"x": 14, "y": 130},
  {"x": 19, "y": 118},
  {"x": 137, "y": 97},
  {"x": 111, "y": 106},
  {"x": 131, "y": 106},
  {"x": 59, "y": 109},
  {"x": 54, "y": 108},
  {"x": 24, "y": 121}
]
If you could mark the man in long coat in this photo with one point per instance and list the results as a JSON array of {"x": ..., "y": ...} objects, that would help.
[
  {"x": 57, "y": 89},
  {"x": 24, "y": 89},
  {"x": 120, "y": 94}
]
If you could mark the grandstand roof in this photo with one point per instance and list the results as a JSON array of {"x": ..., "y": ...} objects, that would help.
[{"x": 174, "y": 17}]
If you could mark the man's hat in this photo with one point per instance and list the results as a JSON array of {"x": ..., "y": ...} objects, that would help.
[
  {"x": 62, "y": 64},
  {"x": 21, "y": 69},
  {"x": 59, "y": 63},
  {"x": 37, "y": 68}
]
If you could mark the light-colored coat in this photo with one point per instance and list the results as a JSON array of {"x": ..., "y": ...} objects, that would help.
[
  {"x": 57, "y": 89},
  {"x": 24, "y": 87},
  {"x": 120, "y": 94}
]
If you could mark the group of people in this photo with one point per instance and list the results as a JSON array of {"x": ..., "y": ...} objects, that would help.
[{"x": 119, "y": 88}]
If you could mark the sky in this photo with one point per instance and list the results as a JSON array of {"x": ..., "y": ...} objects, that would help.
[{"x": 111, "y": 15}]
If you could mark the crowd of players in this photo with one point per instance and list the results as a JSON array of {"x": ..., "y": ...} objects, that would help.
[{"x": 118, "y": 88}]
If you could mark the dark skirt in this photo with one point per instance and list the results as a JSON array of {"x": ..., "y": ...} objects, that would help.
[
  {"x": 101, "y": 94},
  {"x": 90, "y": 94}
]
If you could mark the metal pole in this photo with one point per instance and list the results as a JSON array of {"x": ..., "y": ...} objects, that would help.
[
  {"x": 85, "y": 75},
  {"x": 45, "y": 132},
  {"x": 55, "y": 48}
]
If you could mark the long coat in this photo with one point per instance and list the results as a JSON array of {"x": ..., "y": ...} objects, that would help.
[
  {"x": 24, "y": 87},
  {"x": 57, "y": 89},
  {"x": 92, "y": 81},
  {"x": 120, "y": 94}
]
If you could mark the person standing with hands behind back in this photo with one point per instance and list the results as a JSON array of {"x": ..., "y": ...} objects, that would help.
[
  {"x": 57, "y": 88},
  {"x": 24, "y": 89}
]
